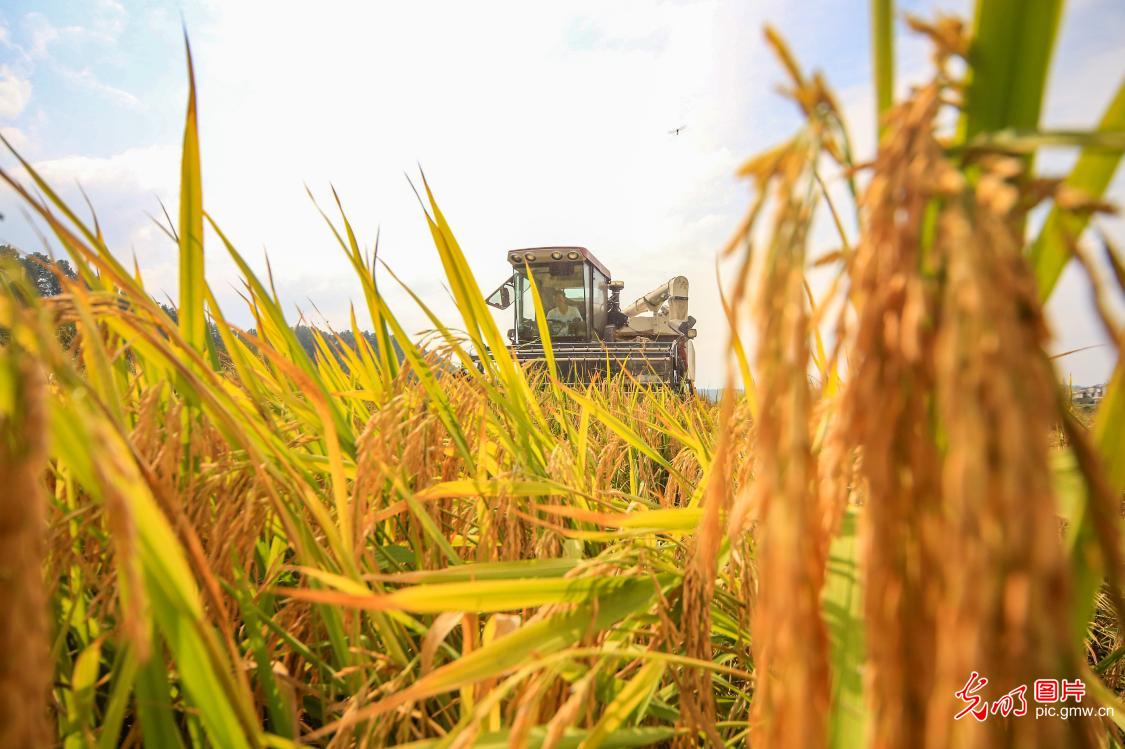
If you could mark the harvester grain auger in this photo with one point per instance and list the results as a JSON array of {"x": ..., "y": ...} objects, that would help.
[{"x": 592, "y": 335}]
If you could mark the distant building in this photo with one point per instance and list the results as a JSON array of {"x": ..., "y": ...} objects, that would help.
[{"x": 1087, "y": 395}]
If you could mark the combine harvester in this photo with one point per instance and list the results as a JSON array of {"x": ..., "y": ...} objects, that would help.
[{"x": 591, "y": 335}]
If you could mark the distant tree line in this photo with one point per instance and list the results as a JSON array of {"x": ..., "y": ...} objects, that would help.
[
  {"x": 43, "y": 274},
  {"x": 305, "y": 336}
]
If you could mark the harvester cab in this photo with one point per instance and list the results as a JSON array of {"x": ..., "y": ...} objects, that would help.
[{"x": 592, "y": 335}]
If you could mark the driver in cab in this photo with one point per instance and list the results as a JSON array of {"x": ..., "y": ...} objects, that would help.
[{"x": 564, "y": 312}]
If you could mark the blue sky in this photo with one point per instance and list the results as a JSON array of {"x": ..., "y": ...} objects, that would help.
[{"x": 536, "y": 124}]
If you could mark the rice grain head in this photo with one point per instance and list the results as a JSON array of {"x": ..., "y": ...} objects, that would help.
[
  {"x": 884, "y": 411},
  {"x": 788, "y": 636},
  {"x": 1006, "y": 593}
]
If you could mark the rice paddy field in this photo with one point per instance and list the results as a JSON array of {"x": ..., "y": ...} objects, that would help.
[{"x": 212, "y": 538}]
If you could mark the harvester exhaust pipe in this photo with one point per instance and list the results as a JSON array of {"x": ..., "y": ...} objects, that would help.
[{"x": 615, "y": 318}]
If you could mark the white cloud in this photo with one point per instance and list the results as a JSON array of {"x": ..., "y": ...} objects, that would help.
[
  {"x": 104, "y": 27},
  {"x": 86, "y": 79},
  {"x": 15, "y": 91},
  {"x": 110, "y": 18},
  {"x": 45, "y": 42},
  {"x": 150, "y": 168},
  {"x": 40, "y": 34},
  {"x": 124, "y": 187}
]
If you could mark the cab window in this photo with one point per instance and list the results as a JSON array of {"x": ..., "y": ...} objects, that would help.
[
  {"x": 503, "y": 297},
  {"x": 563, "y": 294}
]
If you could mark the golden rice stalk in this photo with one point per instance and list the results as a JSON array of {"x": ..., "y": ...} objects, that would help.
[
  {"x": 696, "y": 695},
  {"x": 1006, "y": 584},
  {"x": 25, "y": 664},
  {"x": 884, "y": 410},
  {"x": 950, "y": 401},
  {"x": 788, "y": 637},
  {"x": 780, "y": 499}
]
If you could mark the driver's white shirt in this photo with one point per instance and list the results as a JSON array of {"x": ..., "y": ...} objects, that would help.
[{"x": 571, "y": 315}]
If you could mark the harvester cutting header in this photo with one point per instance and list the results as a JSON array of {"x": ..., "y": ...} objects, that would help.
[{"x": 592, "y": 336}]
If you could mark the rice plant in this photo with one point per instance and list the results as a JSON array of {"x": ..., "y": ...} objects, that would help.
[{"x": 213, "y": 537}]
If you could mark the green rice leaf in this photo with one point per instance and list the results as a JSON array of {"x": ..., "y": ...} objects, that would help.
[
  {"x": 842, "y": 607},
  {"x": 635, "y": 693},
  {"x": 507, "y": 653},
  {"x": 80, "y": 696},
  {"x": 192, "y": 322},
  {"x": 476, "y": 595},
  {"x": 1091, "y": 174},
  {"x": 883, "y": 56},
  {"x": 1009, "y": 59}
]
